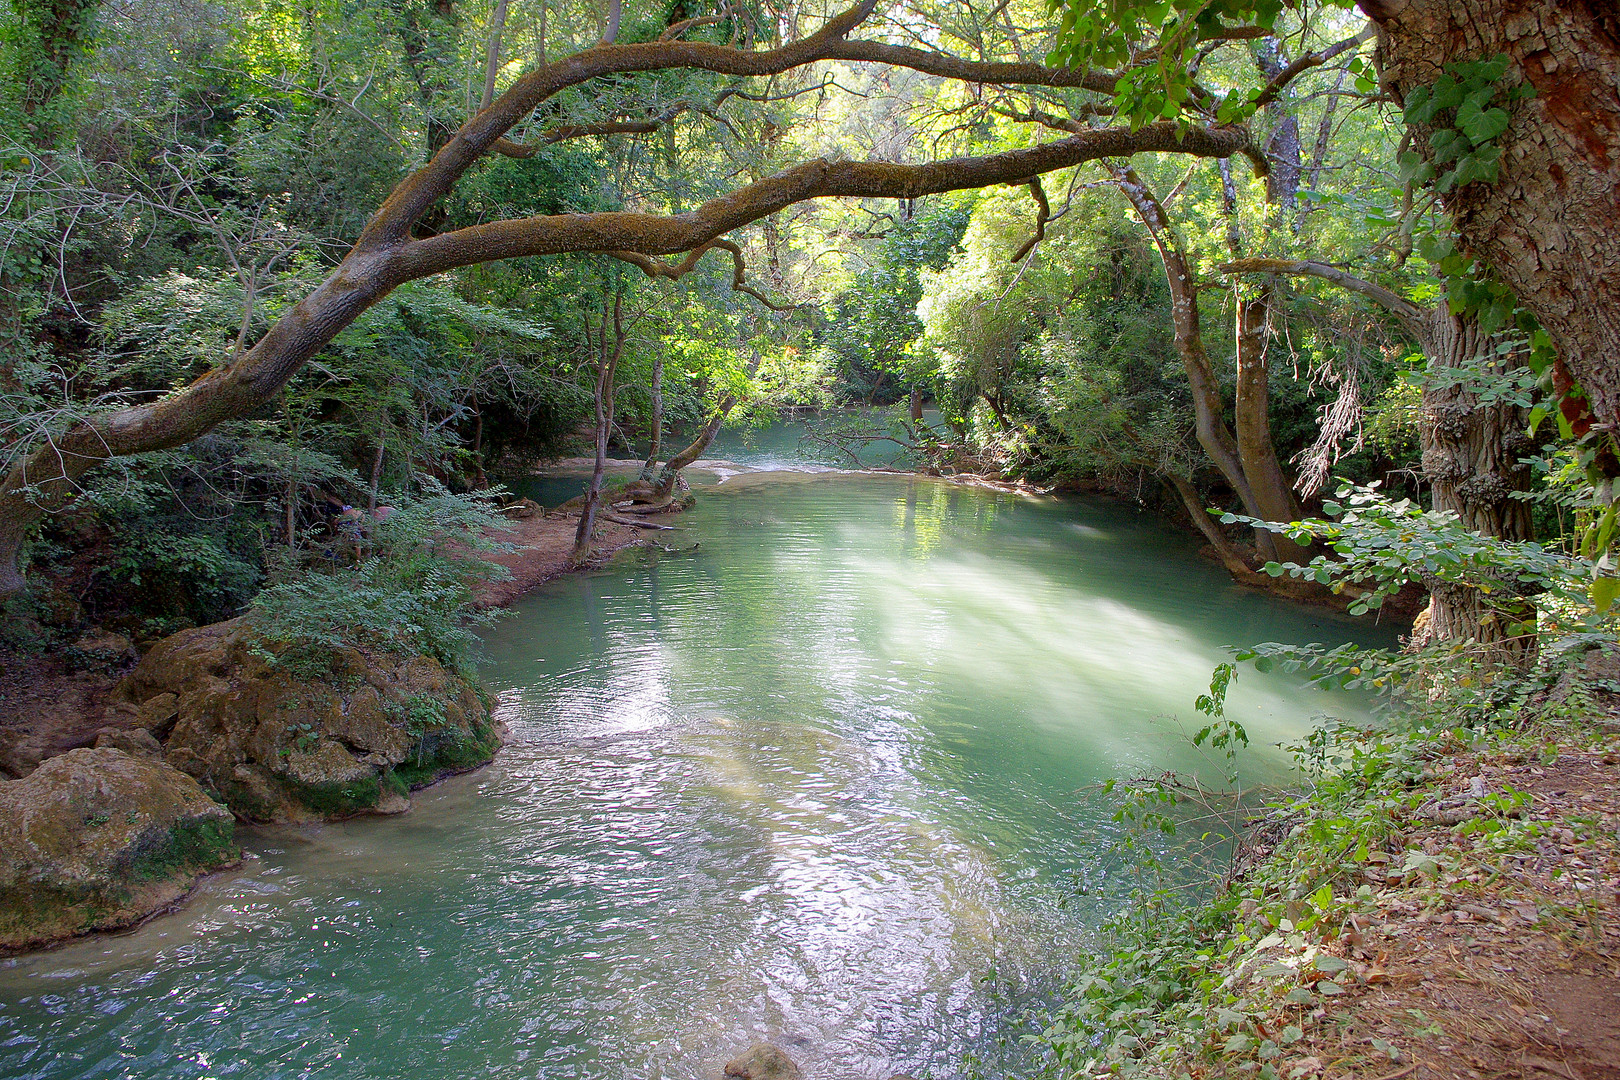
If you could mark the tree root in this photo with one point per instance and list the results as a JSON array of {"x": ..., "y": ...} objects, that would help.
[{"x": 634, "y": 506}]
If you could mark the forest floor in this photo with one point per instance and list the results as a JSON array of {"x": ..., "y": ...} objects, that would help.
[{"x": 1498, "y": 953}]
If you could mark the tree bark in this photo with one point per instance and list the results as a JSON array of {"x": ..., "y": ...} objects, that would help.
[
  {"x": 1241, "y": 571},
  {"x": 1208, "y": 403},
  {"x": 1547, "y": 225},
  {"x": 1273, "y": 491},
  {"x": 1471, "y": 458},
  {"x": 607, "y": 364}
]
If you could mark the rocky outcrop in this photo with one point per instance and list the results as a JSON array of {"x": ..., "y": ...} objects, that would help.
[
  {"x": 762, "y": 1061},
  {"x": 288, "y": 737},
  {"x": 95, "y": 839}
]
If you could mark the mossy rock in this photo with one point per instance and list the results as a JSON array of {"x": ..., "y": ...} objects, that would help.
[
  {"x": 97, "y": 839},
  {"x": 275, "y": 746}
]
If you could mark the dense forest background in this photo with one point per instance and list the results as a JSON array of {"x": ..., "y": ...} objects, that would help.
[{"x": 1235, "y": 315}]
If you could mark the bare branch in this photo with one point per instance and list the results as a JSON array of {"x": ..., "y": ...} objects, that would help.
[
  {"x": 657, "y": 268},
  {"x": 1043, "y": 214},
  {"x": 512, "y": 149},
  {"x": 1311, "y": 60},
  {"x": 677, "y": 29},
  {"x": 1411, "y": 316},
  {"x": 492, "y": 53}
]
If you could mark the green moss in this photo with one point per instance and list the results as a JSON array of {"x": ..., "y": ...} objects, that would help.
[
  {"x": 43, "y": 913},
  {"x": 244, "y": 802},
  {"x": 337, "y": 799},
  {"x": 188, "y": 848},
  {"x": 391, "y": 782},
  {"x": 451, "y": 750}
]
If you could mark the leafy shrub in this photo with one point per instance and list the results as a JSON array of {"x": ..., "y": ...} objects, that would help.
[{"x": 413, "y": 594}]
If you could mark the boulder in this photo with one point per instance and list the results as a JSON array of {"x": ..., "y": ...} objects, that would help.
[
  {"x": 100, "y": 651},
  {"x": 95, "y": 839},
  {"x": 277, "y": 740},
  {"x": 762, "y": 1061},
  {"x": 523, "y": 509},
  {"x": 136, "y": 742}
]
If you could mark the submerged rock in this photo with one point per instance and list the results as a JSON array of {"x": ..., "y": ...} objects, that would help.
[
  {"x": 762, "y": 1061},
  {"x": 280, "y": 736},
  {"x": 95, "y": 839}
]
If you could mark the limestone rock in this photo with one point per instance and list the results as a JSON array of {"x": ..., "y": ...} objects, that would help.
[
  {"x": 136, "y": 742},
  {"x": 522, "y": 509},
  {"x": 95, "y": 839},
  {"x": 762, "y": 1061},
  {"x": 276, "y": 744}
]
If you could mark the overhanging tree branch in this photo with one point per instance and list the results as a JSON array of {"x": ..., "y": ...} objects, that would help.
[
  {"x": 1411, "y": 317},
  {"x": 657, "y": 268},
  {"x": 1311, "y": 60},
  {"x": 386, "y": 256}
]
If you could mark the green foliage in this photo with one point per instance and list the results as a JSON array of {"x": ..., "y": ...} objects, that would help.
[
  {"x": 412, "y": 593},
  {"x": 1382, "y": 545},
  {"x": 873, "y": 328},
  {"x": 1224, "y": 983},
  {"x": 1464, "y": 112},
  {"x": 1110, "y": 33}
]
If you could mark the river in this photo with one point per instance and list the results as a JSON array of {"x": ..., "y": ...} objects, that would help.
[{"x": 824, "y": 779}]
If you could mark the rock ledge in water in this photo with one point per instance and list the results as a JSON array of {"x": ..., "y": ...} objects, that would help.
[
  {"x": 762, "y": 1061},
  {"x": 96, "y": 839},
  {"x": 275, "y": 743}
]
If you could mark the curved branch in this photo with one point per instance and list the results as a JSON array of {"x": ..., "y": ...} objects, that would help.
[
  {"x": 1043, "y": 214},
  {"x": 1411, "y": 317},
  {"x": 1004, "y": 73},
  {"x": 1311, "y": 60},
  {"x": 657, "y": 268},
  {"x": 414, "y": 195},
  {"x": 509, "y": 148},
  {"x": 651, "y": 234}
]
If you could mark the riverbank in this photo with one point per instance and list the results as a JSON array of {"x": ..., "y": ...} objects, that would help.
[
  {"x": 1432, "y": 909},
  {"x": 542, "y": 549}
]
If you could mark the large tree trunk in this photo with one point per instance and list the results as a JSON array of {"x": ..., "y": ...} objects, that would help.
[
  {"x": 1255, "y": 307},
  {"x": 1471, "y": 455},
  {"x": 1273, "y": 492},
  {"x": 1547, "y": 225},
  {"x": 1471, "y": 458}
]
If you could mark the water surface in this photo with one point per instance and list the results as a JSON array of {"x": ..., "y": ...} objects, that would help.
[{"x": 820, "y": 780}]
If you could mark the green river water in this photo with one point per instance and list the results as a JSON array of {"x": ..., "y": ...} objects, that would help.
[{"x": 819, "y": 781}]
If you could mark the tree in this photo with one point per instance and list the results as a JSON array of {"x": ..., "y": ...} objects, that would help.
[
  {"x": 389, "y": 252},
  {"x": 1542, "y": 132},
  {"x": 1545, "y": 222},
  {"x": 1473, "y": 445}
]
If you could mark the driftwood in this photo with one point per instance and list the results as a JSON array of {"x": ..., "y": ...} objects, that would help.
[{"x": 636, "y": 522}]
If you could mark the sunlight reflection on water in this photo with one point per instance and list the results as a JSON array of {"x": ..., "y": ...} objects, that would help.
[{"x": 815, "y": 782}]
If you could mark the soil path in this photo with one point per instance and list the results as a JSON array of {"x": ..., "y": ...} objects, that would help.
[{"x": 1506, "y": 963}]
